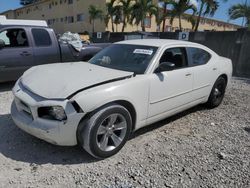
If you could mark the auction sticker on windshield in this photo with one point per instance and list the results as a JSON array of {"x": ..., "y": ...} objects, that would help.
[{"x": 143, "y": 51}]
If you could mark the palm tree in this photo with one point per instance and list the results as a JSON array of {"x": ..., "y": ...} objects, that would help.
[
  {"x": 240, "y": 11},
  {"x": 110, "y": 12},
  {"x": 165, "y": 4},
  {"x": 140, "y": 10},
  {"x": 94, "y": 14},
  {"x": 207, "y": 7},
  {"x": 117, "y": 15},
  {"x": 158, "y": 18},
  {"x": 126, "y": 12},
  {"x": 179, "y": 8},
  {"x": 106, "y": 19}
]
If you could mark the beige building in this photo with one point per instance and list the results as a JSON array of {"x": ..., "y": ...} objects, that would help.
[
  {"x": 72, "y": 15},
  {"x": 61, "y": 15}
]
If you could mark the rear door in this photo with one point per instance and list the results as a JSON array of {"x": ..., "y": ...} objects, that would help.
[
  {"x": 204, "y": 71},
  {"x": 17, "y": 54}
]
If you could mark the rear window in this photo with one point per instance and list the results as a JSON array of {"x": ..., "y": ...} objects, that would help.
[
  {"x": 198, "y": 56},
  {"x": 41, "y": 37}
]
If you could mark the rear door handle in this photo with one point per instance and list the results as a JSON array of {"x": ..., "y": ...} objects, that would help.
[
  {"x": 214, "y": 69},
  {"x": 188, "y": 74},
  {"x": 25, "y": 53}
]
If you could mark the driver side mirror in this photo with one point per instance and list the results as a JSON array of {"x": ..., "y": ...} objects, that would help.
[
  {"x": 2, "y": 44},
  {"x": 165, "y": 66}
]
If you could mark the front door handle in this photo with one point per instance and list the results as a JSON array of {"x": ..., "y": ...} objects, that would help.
[
  {"x": 25, "y": 53},
  {"x": 214, "y": 69},
  {"x": 188, "y": 74}
]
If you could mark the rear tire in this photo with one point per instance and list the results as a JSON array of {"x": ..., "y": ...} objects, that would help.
[
  {"x": 217, "y": 94},
  {"x": 106, "y": 131}
]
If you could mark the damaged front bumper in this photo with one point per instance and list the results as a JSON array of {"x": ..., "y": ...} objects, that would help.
[{"x": 24, "y": 112}]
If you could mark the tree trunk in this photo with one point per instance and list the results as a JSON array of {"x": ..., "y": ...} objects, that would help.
[
  {"x": 180, "y": 23},
  {"x": 143, "y": 25},
  {"x": 124, "y": 23},
  {"x": 199, "y": 17},
  {"x": 93, "y": 26},
  {"x": 164, "y": 17},
  {"x": 112, "y": 23}
]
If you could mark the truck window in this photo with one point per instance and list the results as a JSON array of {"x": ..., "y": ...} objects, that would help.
[
  {"x": 14, "y": 38},
  {"x": 41, "y": 37}
]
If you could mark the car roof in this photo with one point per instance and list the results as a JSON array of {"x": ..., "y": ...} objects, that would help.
[
  {"x": 5, "y": 21},
  {"x": 158, "y": 42}
]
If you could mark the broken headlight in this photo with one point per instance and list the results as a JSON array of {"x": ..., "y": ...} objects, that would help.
[{"x": 52, "y": 113}]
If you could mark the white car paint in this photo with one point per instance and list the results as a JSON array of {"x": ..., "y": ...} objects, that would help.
[{"x": 153, "y": 96}]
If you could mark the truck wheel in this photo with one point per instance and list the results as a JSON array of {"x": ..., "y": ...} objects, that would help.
[
  {"x": 217, "y": 94},
  {"x": 106, "y": 131}
]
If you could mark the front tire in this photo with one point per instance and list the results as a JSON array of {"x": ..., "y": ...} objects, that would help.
[
  {"x": 217, "y": 94},
  {"x": 106, "y": 131}
]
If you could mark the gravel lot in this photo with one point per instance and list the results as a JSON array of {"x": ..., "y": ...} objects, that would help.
[{"x": 197, "y": 148}]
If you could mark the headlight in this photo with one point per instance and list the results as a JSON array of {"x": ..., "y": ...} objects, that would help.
[{"x": 52, "y": 112}]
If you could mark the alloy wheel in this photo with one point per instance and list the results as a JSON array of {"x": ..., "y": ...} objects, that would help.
[{"x": 111, "y": 132}]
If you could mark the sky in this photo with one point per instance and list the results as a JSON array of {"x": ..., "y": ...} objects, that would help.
[{"x": 221, "y": 13}]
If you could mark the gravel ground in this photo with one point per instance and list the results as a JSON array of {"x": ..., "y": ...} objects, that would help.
[{"x": 197, "y": 148}]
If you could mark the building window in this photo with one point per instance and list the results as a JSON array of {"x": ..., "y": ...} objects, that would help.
[
  {"x": 61, "y": 19},
  {"x": 70, "y": 1},
  {"x": 147, "y": 22},
  {"x": 80, "y": 17},
  {"x": 70, "y": 19},
  {"x": 203, "y": 21},
  {"x": 49, "y": 22}
]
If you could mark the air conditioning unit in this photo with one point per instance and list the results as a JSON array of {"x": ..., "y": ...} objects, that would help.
[{"x": 5, "y": 21}]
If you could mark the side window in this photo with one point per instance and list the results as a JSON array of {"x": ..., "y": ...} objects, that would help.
[
  {"x": 177, "y": 56},
  {"x": 198, "y": 56},
  {"x": 14, "y": 38},
  {"x": 41, "y": 37}
]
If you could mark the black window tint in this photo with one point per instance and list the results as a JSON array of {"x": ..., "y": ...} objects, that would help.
[
  {"x": 177, "y": 56},
  {"x": 41, "y": 37},
  {"x": 14, "y": 38},
  {"x": 132, "y": 58},
  {"x": 198, "y": 56}
]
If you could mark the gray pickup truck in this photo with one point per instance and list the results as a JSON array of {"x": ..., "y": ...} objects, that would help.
[{"x": 24, "y": 46}]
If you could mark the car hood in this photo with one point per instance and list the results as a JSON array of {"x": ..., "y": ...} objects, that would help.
[{"x": 59, "y": 81}]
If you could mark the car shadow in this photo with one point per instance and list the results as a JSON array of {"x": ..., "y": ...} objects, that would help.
[
  {"x": 247, "y": 129},
  {"x": 6, "y": 86},
  {"x": 166, "y": 121},
  {"x": 20, "y": 146}
]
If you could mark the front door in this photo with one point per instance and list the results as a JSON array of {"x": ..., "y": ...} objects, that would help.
[
  {"x": 170, "y": 90},
  {"x": 17, "y": 54}
]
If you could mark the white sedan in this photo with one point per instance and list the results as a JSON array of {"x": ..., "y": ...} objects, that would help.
[{"x": 124, "y": 87}]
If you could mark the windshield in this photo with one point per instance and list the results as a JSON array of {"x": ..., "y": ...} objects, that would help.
[{"x": 126, "y": 57}]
